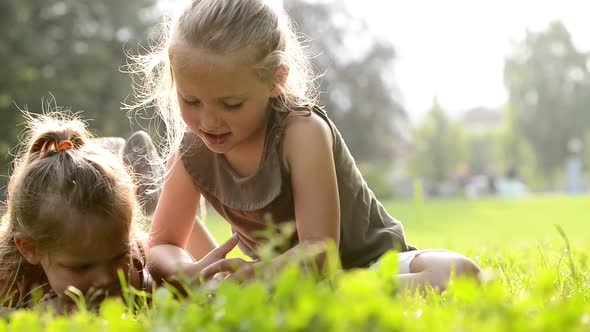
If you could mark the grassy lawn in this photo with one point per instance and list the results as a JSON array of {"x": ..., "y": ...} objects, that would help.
[
  {"x": 481, "y": 226},
  {"x": 532, "y": 283}
]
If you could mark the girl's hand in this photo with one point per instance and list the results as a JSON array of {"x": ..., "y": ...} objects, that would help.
[
  {"x": 60, "y": 304},
  {"x": 213, "y": 256},
  {"x": 236, "y": 269}
]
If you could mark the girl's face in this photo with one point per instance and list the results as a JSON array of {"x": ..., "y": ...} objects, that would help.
[
  {"x": 90, "y": 258},
  {"x": 221, "y": 98}
]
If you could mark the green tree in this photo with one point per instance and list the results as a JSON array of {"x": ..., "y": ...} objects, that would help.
[
  {"x": 72, "y": 49},
  {"x": 439, "y": 147},
  {"x": 513, "y": 150},
  {"x": 549, "y": 88},
  {"x": 358, "y": 88},
  {"x": 586, "y": 153}
]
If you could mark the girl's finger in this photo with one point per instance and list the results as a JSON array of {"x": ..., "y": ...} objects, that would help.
[
  {"x": 227, "y": 246},
  {"x": 225, "y": 265},
  {"x": 247, "y": 272},
  {"x": 220, "y": 276}
]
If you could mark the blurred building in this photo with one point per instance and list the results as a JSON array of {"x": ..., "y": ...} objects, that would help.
[
  {"x": 481, "y": 124},
  {"x": 481, "y": 120}
]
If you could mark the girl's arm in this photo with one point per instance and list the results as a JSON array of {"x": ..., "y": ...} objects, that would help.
[
  {"x": 173, "y": 223},
  {"x": 308, "y": 154}
]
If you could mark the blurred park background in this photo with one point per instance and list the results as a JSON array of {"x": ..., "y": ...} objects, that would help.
[
  {"x": 534, "y": 141},
  {"x": 470, "y": 120}
]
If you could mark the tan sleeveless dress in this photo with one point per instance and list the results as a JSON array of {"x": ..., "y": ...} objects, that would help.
[{"x": 367, "y": 231}]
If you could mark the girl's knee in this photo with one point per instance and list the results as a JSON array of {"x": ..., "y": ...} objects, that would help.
[
  {"x": 437, "y": 267},
  {"x": 464, "y": 267},
  {"x": 457, "y": 266}
]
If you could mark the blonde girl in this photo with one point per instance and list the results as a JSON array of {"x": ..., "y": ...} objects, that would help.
[{"x": 245, "y": 133}]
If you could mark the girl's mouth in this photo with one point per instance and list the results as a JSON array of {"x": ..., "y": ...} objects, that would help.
[{"x": 215, "y": 139}]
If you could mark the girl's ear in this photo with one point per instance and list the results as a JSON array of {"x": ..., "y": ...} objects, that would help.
[
  {"x": 280, "y": 79},
  {"x": 26, "y": 248}
]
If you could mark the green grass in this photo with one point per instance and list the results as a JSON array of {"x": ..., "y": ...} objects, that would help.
[
  {"x": 461, "y": 224},
  {"x": 479, "y": 226},
  {"x": 533, "y": 282}
]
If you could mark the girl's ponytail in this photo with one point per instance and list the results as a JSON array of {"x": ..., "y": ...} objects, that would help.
[{"x": 50, "y": 136}]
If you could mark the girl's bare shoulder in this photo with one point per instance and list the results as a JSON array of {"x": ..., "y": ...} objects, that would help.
[{"x": 306, "y": 131}]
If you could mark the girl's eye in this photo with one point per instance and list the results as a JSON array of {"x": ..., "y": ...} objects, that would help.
[
  {"x": 232, "y": 106},
  {"x": 80, "y": 268},
  {"x": 122, "y": 257},
  {"x": 191, "y": 102}
]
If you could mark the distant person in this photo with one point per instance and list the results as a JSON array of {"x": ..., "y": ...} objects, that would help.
[
  {"x": 492, "y": 181},
  {"x": 511, "y": 185},
  {"x": 574, "y": 167},
  {"x": 574, "y": 175},
  {"x": 512, "y": 172},
  {"x": 236, "y": 93},
  {"x": 71, "y": 221}
]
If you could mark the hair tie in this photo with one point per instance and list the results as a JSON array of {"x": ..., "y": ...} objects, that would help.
[{"x": 64, "y": 145}]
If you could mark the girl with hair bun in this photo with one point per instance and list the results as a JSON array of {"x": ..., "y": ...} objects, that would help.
[{"x": 72, "y": 219}]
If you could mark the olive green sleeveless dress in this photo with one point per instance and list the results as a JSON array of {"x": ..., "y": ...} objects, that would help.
[{"x": 250, "y": 203}]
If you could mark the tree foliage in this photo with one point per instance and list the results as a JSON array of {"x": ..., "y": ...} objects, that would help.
[
  {"x": 439, "y": 147},
  {"x": 71, "y": 49},
  {"x": 358, "y": 88},
  {"x": 549, "y": 87}
]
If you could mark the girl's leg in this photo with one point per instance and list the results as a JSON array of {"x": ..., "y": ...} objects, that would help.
[
  {"x": 148, "y": 167},
  {"x": 140, "y": 153},
  {"x": 433, "y": 267}
]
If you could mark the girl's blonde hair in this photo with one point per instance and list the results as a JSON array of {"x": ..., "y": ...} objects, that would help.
[
  {"x": 224, "y": 26},
  {"x": 60, "y": 171}
]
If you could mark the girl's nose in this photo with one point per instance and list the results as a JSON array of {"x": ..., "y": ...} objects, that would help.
[
  {"x": 105, "y": 278},
  {"x": 210, "y": 120}
]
